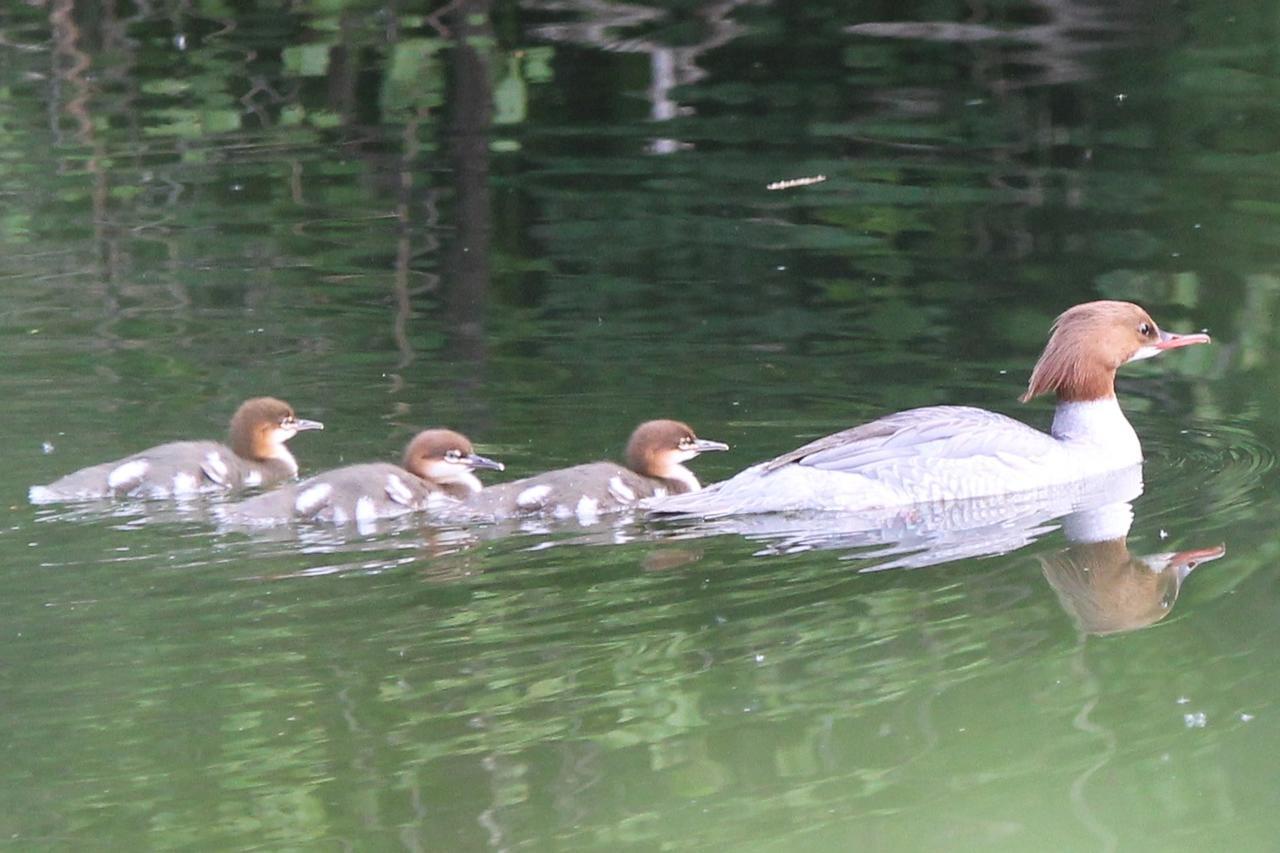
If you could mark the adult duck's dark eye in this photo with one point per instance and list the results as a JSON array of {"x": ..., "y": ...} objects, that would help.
[{"x": 1145, "y": 330}]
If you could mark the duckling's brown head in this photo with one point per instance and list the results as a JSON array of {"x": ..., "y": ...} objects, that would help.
[
  {"x": 659, "y": 448},
  {"x": 446, "y": 458},
  {"x": 262, "y": 425}
]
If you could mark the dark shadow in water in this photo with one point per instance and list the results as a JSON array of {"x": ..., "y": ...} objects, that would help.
[
  {"x": 467, "y": 260},
  {"x": 604, "y": 25},
  {"x": 1051, "y": 52}
]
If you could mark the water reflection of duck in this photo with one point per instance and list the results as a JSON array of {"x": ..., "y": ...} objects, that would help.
[
  {"x": 1107, "y": 590},
  {"x": 256, "y": 456},
  {"x": 958, "y": 452},
  {"x": 436, "y": 461},
  {"x": 1099, "y": 583},
  {"x": 656, "y": 453}
]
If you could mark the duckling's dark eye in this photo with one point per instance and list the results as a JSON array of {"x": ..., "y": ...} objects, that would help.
[
  {"x": 452, "y": 456},
  {"x": 1145, "y": 329},
  {"x": 685, "y": 441}
]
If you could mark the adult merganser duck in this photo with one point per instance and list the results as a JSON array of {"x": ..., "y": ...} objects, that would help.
[
  {"x": 957, "y": 452},
  {"x": 436, "y": 462},
  {"x": 655, "y": 455},
  {"x": 257, "y": 456}
]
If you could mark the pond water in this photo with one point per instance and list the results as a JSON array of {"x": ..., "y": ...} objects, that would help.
[{"x": 541, "y": 223}]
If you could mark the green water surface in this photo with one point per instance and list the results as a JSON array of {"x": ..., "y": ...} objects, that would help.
[{"x": 541, "y": 223}]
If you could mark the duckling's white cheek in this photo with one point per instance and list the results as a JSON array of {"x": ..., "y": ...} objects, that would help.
[
  {"x": 441, "y": 471},
  {"x": 683, "y": 456},
  {"x": 128, "y": 475}
]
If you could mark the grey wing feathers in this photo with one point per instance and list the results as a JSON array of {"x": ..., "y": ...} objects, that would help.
[{"x": 938, "y": 431}]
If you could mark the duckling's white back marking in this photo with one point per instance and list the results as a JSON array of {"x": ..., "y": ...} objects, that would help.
[
  {"x": 533, "y": 497},
  {"x": 126, "y": 476},
  {"x": 621, "y": 491},
  {"x": 312, "y": 498},
  {"x": 366, "y": 512},
  {"x": 253, "y": 478},
  {"x": 587, "y": 510},
  {"x": 396, "y": 490},
  {"x": 438, "y": 500},
  {"x": 214, "y": 467},
  {"x": 185, "y": 484}
]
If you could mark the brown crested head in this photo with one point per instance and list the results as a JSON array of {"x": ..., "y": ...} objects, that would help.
[
  {"x": 654, "y": 444},
  {"x": 1088, "y": 342},
  {"x": 445, "y": 457},
  {"x": 261, "y": 425},
  {"x": 657, "y": 448},
  {"x": 434, "y": 445}
]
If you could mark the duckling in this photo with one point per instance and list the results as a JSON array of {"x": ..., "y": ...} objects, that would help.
[
  {"x": 257, "y": 456},
  {"x": 655, "y": 455},
  {"x": 436, "y": 463}
]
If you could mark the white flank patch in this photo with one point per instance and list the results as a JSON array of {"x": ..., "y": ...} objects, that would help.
[
  {"x": 365, "y": 510},
  {"x": 562, "y": 511},
  {"x": 439, "y": 500},
  {"x": 128, "y": 475},
  {"x": 41, "y": 495},
  {"x": 215, "y": 468},
  {"x": 588, "y": 510},
  {"x": 397, "y": 491},
  {"x": 533, "y": 497},
  {"x": 659, "y": 491},
  {"x": 185, "y": 484},
  {"x": 312, "y": 498},
  {"x": 621, "y": 490},
  {"x": 253, "y": 478}
]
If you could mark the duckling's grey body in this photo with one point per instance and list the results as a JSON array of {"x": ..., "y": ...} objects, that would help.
[
  {"x": 655, "y": 452},
  {"x": 353, "y": 493},
  {"x": 437, "y": 464},
  {"x": 167, "y": 470},
  {"x": 585, "y": 491}
]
